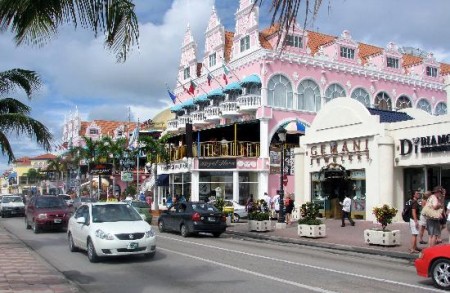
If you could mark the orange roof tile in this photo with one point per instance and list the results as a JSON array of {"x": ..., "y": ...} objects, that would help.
[
  {"x": 315, "y": 40},
  {"x": 23, "y": 161},
  {"x": 199, "y": 69},
  {"x": 107, "y": 127},
  {"x": 411, "y": 60},
  {"x": 445, "y": 69},
  {"x": 44, "y": 157},
  {"x": 368, "y": 50},
  {"x": 228, "y": 45}
]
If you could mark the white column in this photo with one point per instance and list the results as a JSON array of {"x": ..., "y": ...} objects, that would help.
[
  {"x": 302, "y": 185},
  {"x": 236, "y": 186},
  {"x": 264, "y": 139},
  {"x": 263, "y": 186},
  {"x": 195, "y": 181},
  {"x": 386, "y": 170}
]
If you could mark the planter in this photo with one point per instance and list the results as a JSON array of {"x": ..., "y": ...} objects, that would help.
[
  {"x": 259, "y": 226},
  {"x": 228, "y": 220},
  {"x": 380, "y": 237},
  {"x": 312, "y": 231}
]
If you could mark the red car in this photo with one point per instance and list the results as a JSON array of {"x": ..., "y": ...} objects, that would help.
[
  {"x": 434, "y": 262},
  {"x": 46, "y": 212}
]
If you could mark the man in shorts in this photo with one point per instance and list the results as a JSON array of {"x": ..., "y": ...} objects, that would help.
[{"x": 414, "y": 222}]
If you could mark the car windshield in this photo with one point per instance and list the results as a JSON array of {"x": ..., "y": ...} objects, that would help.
[
  {"x": 204, "y": 207},
  {"x": 88, "y": 199},
  {"x": 7, "y": 199},
  {"x": 140, "y": 204},
  {"x": 114, "y": 213},
  {"x": 49, "y": 202}
]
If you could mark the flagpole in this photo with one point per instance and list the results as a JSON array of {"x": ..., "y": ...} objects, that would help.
[
  {"x": 174, "y": 95},
  {"x": 212, "y": 76},
  {"x": 182, "y": 85},
  {"x": 229, "y": 69}
]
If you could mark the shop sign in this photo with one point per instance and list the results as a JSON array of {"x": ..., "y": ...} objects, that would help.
[
  {"x": 126, "y": 176},
  {"x": 100, "y": 169},
  {"x": 217, "y": 164},
  {"x": 344, "y": 150},
  {"x": 425, "y": 144}
]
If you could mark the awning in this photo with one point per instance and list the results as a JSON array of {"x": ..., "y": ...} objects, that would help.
[
  {"x": 163, "y": 180},
  {"x": 251, "y": 79},
  {"x": 201, "y": 99},
  {"x": 176, "y": 108},
  {"x": 234, "y": 86},
  {"x": 294, "y": 127},
  {"x": 215, "y": 93},
  {"x": 188, "y": 104}
]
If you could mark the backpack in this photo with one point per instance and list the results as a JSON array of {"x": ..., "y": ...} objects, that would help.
[{"x": 406, "y": 213}]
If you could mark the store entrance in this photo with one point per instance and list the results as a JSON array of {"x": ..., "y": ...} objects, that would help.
[{"x": 335, "y": 184}]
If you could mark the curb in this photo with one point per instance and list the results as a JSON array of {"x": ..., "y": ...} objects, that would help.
[{"x": 332, "y": 246}]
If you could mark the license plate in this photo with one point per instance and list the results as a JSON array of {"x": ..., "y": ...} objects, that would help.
[
  {"x": 133, "y": 245},
  {"x": 57, "y": 221},
  {"x": 211, "y": 219}
]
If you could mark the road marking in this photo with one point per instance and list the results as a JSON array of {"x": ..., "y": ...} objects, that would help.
[
  {"x": 305, "y": 265},
  {"x": 284, "y": 281}
]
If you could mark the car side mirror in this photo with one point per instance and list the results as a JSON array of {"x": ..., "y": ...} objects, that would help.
[{"x": 81, "y": 220}]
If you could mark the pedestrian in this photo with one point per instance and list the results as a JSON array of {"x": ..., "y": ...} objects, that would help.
[
  {"x": 249, "y": 204},
  {"x": 289, "y": 204},
  {"x": 422, "y": 218},
  {"x": 414, "y": 221},
  {"x": 275, "y": 203},
  {"x": 346, "y": 210},
  {"x": 448, "y": 220},
  {"x": 433, "y": 225}
]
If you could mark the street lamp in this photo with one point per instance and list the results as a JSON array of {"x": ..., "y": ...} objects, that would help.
[{"x": 282, "y": 138}]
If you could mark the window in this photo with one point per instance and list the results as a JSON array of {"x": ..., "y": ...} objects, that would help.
[
  {"x": 187, "y": 73},
  {"x": 424, "y": 105},
  {"x": 431, "y": 71},
  {"x": 441, "y": 109},
  {"x": 403, "y": 102},
  {"x": 347, "y": 53},
  {"x": 245, "y": 43},
  {"x": 392, "y": 62},
  {"x": 308, "y": 96},
  {"x": 294, "y": 41},
  {"x": 254, "y": 89},
  {"x": 362, "y": 96},
  {"x": 93, "y": 131},
  {"x": 383, "y": 101},
  {"x": 334, "y": 91},
  {"x": 212, "y": 60},
  {"x": 279, "y": 92}
]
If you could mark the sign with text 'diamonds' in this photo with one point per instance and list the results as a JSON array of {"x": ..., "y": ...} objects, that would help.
[{"x": 217, "y": 164}]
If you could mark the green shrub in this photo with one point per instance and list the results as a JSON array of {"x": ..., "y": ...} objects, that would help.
[
  {"x": 309, "y": 212},
  {"x": 258, "y": 216}
]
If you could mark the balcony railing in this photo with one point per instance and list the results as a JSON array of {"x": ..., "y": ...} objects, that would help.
[
  {"x": 212, "y": 113},
  {"x": 229, "y": 108},
  {"x": 249, "y": 102},
  {"x": 183, "y": 120},
  {"x": 199, "y": 118},
  {"x": 216, "y": 149},
  {"x": 172, "y": 125}
]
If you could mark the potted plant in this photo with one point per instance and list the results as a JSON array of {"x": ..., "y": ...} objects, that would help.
[
  {"x": 259, "y": 221},
  {"x": 308, "y": 224},
  {"x": 219, "y": 203},
  {"x": 384, "y": 216}
]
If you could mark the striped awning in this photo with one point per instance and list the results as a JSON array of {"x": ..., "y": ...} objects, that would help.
[
  {"x": 201, "y": 99},
  {"x": 215, "y": 93},
  {"x": 251, "y": 79},
  {"x": 234, "y": 86},
  {"x": 188, "y": 104},
  {"x": 176, "y": 108}
]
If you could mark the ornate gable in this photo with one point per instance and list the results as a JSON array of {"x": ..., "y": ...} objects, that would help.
[
  {"x": 246, "y": 37},
  {"x": 188, "y": 64},
  {"x": 214, "y": 43}
]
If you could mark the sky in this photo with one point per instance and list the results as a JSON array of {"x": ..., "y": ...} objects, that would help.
[{"x": 79, "y": 73}]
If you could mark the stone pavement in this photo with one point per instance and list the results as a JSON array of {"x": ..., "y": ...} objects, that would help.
[
  {"x": 23, "y": 270},
  {"x": 348, "y": 238}
]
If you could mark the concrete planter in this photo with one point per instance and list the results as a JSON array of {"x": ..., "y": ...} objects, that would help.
[
  {"x": 312, "y": 231},
  {"x": 379, "y": 237},
  {"x": 228, "y": 220},
  {"x": 259, "y": 226}
]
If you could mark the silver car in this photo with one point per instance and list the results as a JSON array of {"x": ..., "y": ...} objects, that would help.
[{"x": 239, "y": 210}]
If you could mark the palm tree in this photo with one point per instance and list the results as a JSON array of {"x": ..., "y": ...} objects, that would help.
[
  {"x": 36, "y": 22},
  {"x": 14, "y": 114},
  {"x": 59, "y": 165}
]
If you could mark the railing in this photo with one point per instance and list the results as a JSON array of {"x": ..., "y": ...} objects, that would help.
[
  {"x": 228, "y": 108},
  {"x": 172, "y": 125},
  {"x": 183, "y": 120},
  {"x": 211, "y": 149},
  {"x": 198, "y": 118},
  {"x": 249, "y": 102},
  {"x": 212, "y": 113}
]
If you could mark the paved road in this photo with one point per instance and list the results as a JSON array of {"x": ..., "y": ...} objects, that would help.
[{"x": 207, "y": 264}]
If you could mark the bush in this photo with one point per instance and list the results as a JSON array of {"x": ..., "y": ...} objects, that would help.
[
  {"x": 384, "y": 215},
  {"x": 258, "y": 216},
  {"x": 309, "y": 212}
]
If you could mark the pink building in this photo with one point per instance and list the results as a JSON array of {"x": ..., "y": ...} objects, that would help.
[{"x": 246, "y": 87}]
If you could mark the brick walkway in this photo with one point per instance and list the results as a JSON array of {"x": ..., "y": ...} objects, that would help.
[{"x": 22, "y": 270}]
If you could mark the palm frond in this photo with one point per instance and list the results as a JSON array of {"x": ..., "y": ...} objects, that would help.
[
  {"x": 5, "y": 147},
  {"x": 27, "y": 80},
  {"x": 10, "y": 105}
]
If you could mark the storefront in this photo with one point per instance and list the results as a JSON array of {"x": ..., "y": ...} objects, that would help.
[{"x": 376, "y": 157}]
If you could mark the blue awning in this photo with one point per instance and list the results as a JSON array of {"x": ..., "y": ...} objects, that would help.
[
  {"x": 251, "y": 79},
  {"x": 201, "y": 99},
  {"x": 176, "y": 108},
  {"x": 188, "y": 104},
  {"x": 234, "y": 86},
  {"x": 294, "y": 126},
  {"x": 215, "y": 93}
]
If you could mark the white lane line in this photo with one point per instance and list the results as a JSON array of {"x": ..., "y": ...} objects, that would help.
[
  {"x": 305, "y": 265},
  {"x": 284, "y": 281}
]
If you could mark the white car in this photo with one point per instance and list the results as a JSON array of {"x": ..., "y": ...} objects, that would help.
[
  {"x": 239, "y": 210},
  {"x": 105, "y": 229},
  {"x": 12, "y": 205}
]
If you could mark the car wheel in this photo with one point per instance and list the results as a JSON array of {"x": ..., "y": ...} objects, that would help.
[
  {"x": 440, "y": 273},
  {"x": 27, "y": 225},
  {"x": 92, "y": 255},
  {"x": 72, "y": 246},
  {"x": 35, "y": 227},
  {"x": 236, "y": 218},
  {"x": 150, "y": 255},
  {"x": 184, "y": 231},
  {"x": 216, "y": 234},
  {"x": 161, "y": 227}
]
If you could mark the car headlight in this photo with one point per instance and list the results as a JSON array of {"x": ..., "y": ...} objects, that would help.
[
  {"x": 150, "y": 233},
  {"x": 42, "y": 216},
  {"x": 103, "y": 235}
]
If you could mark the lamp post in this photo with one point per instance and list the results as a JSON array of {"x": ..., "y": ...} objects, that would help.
[{"x": 282, "y": 137}]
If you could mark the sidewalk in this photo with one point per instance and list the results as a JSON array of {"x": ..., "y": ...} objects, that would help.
[
  {"x": 348, "y": 238},
  {"x": 22, "y": 270}
]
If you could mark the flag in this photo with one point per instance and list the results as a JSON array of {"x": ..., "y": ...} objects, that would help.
[
  {"x": 209, "y": 77},
  {"x": 225, "y": 78},
  {"x": 192, "y": 87},
  {"x": 226, "y": 71},
  {"x": 172, "y": 96}
]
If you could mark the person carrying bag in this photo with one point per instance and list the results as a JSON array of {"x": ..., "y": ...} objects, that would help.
[{"x": 433, "y": 212}]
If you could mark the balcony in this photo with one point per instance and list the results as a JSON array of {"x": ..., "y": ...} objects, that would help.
[
  {"x": 249, "y": 103},
  {"x": 199, "y": 119},
  {"x": 212, "y": 113},
  {"x": 172, "y": 125},
  {"x": 183, "y": 120},
  {"x": 217, "y": 149},
  {"x": 229, "y": 109}
]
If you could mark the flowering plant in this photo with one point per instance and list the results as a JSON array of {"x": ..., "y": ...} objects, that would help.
[
  {"x": 384, "y": 215},
  {"x": 309, "y": 212}
]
